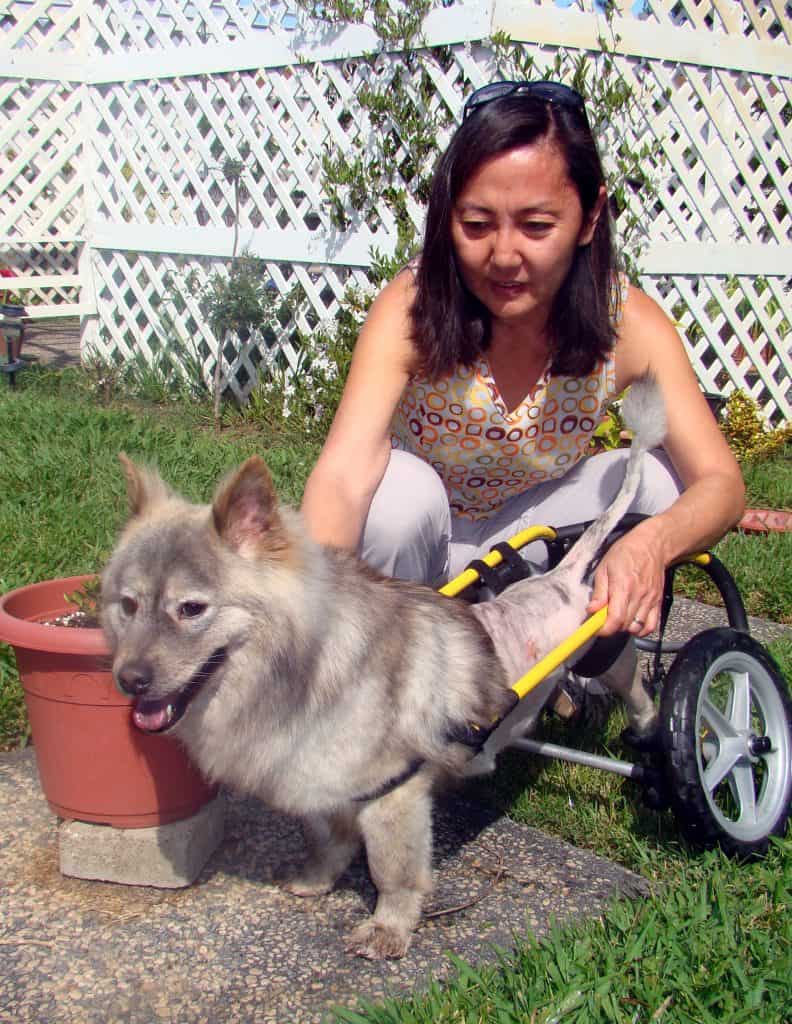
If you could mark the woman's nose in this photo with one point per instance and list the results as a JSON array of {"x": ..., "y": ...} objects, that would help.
[{"x": 505, "y": 248}]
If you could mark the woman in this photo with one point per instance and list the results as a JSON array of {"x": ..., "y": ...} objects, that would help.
[{"x": 483, "y": 369}]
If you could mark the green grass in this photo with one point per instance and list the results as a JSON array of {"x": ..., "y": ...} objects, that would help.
[
  {"x": 760, "y": 564},
  {"x": 711, "y": 947},
  {"x": 769, "y": 483},
  {"x": 713, "y": 941}
]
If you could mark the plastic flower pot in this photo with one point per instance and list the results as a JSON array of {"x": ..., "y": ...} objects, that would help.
[{"x": 94, "y": 765}]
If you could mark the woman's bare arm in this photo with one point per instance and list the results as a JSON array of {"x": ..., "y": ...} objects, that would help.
[
  {"x": 630, "y": 578},
  {"x": 356, "y": 453}
]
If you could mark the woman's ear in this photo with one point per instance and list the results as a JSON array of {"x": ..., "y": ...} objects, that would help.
[{"x": 590, "y": 223}]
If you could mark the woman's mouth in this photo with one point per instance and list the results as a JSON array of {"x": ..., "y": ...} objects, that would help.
[{"x": 507, "y": 288}]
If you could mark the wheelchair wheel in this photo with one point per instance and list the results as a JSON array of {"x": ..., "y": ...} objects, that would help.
[{"x": 726, "y": 724}]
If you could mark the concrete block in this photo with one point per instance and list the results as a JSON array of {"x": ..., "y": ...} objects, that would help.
[{"x": 165, "y": 856}]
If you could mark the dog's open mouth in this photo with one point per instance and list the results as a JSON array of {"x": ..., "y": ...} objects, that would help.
[{"x": 161, "y": 715}]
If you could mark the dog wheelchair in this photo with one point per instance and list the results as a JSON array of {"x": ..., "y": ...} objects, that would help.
[{"x": 721, "y": 754}]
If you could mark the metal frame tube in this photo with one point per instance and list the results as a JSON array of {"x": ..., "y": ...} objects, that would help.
[{"x": 607, "y": 764}]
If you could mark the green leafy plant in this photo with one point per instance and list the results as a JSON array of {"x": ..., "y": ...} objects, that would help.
[
  {"x": 86, "y": 601},
  {"x": 610, "y": 432},
  {"x": 237, "y": 303},
  {"x": 308, "y": 393}
]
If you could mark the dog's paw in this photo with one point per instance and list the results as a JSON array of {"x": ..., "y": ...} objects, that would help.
[
  {"x": 302, "y": 882},
  {"x": 377, "y": 942},
  {"x": 648, "y": 741},
  {"x": 305, "y": 888}
]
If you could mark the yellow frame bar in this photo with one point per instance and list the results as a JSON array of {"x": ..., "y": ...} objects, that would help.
[
  {"x": 536, "y": 675},
  {"x": 559, "y": 654},
  {"x": 493, "y": 558}
]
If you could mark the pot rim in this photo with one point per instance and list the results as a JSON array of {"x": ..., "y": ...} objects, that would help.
[{"x": 19, "y": 628}]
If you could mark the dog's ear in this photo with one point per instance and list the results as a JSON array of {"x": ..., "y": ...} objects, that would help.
[
  {"x": 245, "y": 511},
  {"x": 144, "y": 487}
]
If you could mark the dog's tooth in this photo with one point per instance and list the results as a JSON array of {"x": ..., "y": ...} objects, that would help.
[{"x": 170, "y": 713}]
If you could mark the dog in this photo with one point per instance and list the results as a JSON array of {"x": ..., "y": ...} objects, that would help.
[{"x": 294, "y": 672}]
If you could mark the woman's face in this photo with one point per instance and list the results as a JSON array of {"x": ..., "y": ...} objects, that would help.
[{"x": 515, "y": 229}]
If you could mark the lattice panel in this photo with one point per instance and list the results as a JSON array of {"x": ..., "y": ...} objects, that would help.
[
  {"x": 718, "y": 142},
  {"x": 757, "y": 19},
  {"x": 153, "y": 24},
  {"x": 123, "y": 26},
  {"x": 56, "y": 261},
  {"x": 726, "y": 323},
  {"x": 161, "y": 148},
  {"x": 156, "y": 314},
  {"x": 42, "y": 25},
  {"x": 40, "y": 181},
  {"x": 726, "y": 140}
]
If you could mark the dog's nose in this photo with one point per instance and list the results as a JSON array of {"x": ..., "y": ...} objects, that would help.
[{"x": 135, "y": 678}]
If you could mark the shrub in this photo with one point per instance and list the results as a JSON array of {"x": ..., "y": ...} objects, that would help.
[{"x": 748, "y": 435}]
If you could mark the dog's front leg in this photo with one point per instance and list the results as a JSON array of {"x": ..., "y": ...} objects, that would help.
[
  {"x": 397, "y": 833},
  {"x": 332, "y": 841}
]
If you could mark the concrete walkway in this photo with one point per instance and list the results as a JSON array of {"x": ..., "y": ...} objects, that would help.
[
  {"x": 234, "y": 948},
  {"x": 54, "y": 343}
]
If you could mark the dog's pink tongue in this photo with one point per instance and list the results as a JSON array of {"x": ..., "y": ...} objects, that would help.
[{"x": 152, "y": 719}]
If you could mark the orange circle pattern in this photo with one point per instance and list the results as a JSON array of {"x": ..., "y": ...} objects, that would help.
[{"x": 485, "y": 454}]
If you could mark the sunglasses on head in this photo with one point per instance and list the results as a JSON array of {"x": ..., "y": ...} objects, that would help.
[{"x": 550, "y": 92}]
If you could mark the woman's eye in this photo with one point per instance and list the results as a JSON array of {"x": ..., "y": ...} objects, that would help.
[
  {"x": 536, "y": 227},
  {"x": 191, "y": 609},
  {"x": 475, "y": 227}
]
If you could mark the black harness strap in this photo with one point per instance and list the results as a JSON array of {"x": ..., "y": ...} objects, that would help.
[
  {"x": 475, "y": 736},
  {"x": 398, "y": 780},
  {"x": 487, "y": 575}
]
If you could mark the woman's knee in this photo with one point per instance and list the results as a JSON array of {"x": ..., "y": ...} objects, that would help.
[{"x": 408, "y": 526}]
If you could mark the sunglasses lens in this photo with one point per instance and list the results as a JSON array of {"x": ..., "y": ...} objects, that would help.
[
  {"x": 553, "y": 92},
  {"x": 488, "y": 93}
]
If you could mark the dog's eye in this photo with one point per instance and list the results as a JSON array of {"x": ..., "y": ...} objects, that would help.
[
  {"x": 129, "y": 606},
  {"x": 191, "y": 609}
]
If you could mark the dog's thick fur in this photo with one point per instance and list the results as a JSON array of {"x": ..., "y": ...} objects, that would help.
[{"x": 293, "y": 672}]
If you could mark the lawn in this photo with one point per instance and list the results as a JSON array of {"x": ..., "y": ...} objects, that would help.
[{"x": 714, "y": 941}]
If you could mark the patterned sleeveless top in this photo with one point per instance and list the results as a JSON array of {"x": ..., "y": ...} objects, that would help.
[{"x": 485, "y": 454}]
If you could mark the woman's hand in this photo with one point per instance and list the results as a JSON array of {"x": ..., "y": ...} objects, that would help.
[{"x": 629, "y": 580}]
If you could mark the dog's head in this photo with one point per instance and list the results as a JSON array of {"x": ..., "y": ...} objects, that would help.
[{"x": 176, "y": 593}]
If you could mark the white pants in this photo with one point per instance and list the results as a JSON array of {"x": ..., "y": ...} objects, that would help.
[{"x": 410, "y": 532}]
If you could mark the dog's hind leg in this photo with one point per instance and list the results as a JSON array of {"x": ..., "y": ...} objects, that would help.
[
  {"x": 624, "y": 678},
  {"x": 332, "y": 841},
  {"x": 397, "y": 832}
]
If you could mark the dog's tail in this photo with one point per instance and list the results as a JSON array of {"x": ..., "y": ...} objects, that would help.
[{"x": 644, "y": 414}]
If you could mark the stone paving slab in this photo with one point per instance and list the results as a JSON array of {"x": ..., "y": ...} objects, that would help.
[
  {"x": 233, "y": 947},
  {"x": 55, "y": 342}
]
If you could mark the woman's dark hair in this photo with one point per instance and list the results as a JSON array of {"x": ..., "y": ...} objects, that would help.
[{"x": 449, "y": 324}]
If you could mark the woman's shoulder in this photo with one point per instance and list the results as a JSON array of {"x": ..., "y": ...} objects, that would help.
[
  {"x": 645, "y": 334},
  {"x": 388, "y": 326}
]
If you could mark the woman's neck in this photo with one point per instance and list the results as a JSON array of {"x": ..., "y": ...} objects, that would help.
[
  {"x": 521, "y": 337},
  {"x": 517, "y": 359}
]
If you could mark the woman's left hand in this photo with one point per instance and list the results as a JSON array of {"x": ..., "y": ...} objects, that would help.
[{"x": 629, "y": 580}]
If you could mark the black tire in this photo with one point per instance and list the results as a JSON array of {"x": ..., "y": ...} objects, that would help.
[{"x": 726, "y": 727}]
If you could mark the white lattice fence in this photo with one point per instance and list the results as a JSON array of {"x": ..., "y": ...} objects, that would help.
[{"x": 120, "y": 164}]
